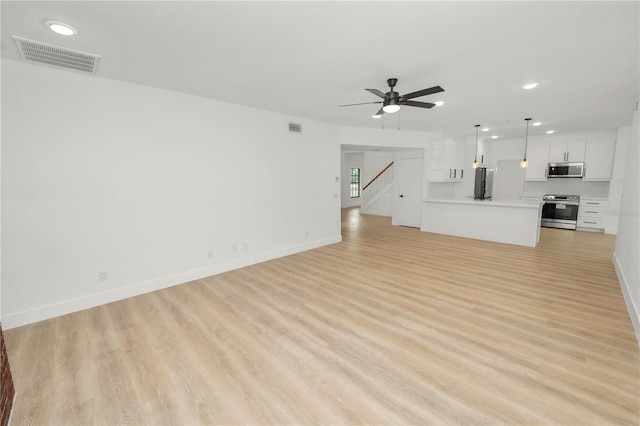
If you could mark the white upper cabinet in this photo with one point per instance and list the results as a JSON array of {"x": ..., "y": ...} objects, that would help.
[
  {"x": 598, "y": 162},
  {"x": 563, "y": 151},
  {"x": 482, "y": 155},
  {"x": 595, "y": 149},
  {"x": 447, "y": 161},
  {"x": 538, "y": 159}
]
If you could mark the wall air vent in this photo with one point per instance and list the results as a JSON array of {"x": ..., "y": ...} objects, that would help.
[
  {"x": 295, "y": 127},
  {"x": 36, "y": 51}
]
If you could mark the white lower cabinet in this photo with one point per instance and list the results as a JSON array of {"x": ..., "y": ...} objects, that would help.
[{"x": 591, "y": 214}]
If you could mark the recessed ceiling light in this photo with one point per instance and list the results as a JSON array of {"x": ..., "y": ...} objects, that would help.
[
  {"x": 376, "y": 115},
  {"x": 485, "y": 129},
  {"x": 550, "y": 131},
  {"x": 494, "y": 137},
  {"x": 531, "y": 85},
  {"x": 537, "y": 123},
  {"x": 61, "y": 28},
  {"x": 439, "y": 103}
]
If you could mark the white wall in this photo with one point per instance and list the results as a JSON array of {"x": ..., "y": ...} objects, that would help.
[
  {"x": 387, "y": 138},
  {"x": 155, "y": 187},
  {"x": 626, "y": 257},
  {"x": 616, "y": 185},
  {"x": 0, "y": 204},
  {"x": 374, "y": 163}
]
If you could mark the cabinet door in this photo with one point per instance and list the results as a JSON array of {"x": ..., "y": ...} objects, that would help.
[
  {"x": 576, "y": 150},
  {"x": 557, "y": 151},
  {"x": 482, "y": 156},
  {"x": 598, "y": 160},
  {"x": 538, "y": 158},
  {"x": 563, "y": 151},
  {"x": 447, "y": 161},
  {"x": 458, "y": 162}
]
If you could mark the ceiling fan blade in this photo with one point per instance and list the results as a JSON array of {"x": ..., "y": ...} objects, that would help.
[
  {"x": 418, "y": 104},
  {"x": 423, "y": 92},
  {"x": 363, "y": 103},
  {"x": 376, "y": 92},
  {"x": 380, "y": 112}
]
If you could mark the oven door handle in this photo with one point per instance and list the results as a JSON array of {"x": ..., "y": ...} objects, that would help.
[{"x": 567, "y": 203}]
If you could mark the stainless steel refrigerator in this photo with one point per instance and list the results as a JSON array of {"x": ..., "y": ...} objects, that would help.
[{"x": 484, "y": 183}]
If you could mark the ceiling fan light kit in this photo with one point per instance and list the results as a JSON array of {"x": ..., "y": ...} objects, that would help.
[
  {"x": 391, "y": 107},
  {"x": 392, "y": 101}
]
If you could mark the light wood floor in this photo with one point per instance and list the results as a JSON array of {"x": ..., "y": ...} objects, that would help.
[{"x": 392, "y": 326}]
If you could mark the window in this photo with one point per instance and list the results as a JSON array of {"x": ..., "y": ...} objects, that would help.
[{"x": 354, "y": 185}]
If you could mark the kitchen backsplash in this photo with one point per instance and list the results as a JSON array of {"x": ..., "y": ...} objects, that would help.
[{"x": 567, "y": 186}]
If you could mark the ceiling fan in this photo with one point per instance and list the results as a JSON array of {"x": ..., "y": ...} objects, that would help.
[{"x": 392, "y": 100}]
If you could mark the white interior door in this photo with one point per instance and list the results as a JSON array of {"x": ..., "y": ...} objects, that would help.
[{"x": 407, "y": 183}]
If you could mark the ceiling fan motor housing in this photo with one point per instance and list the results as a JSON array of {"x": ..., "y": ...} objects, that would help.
[{"x": 392, "y": 97}]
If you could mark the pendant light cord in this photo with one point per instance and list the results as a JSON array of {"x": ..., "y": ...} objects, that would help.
[
  {"x": 526, "y": 137},
  {"x": 475, "y": 158}
]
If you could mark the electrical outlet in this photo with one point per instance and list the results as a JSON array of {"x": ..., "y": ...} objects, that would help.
[
  {"x": 210, "y": 254},
  {"x": 234, "y": 248},
  {"x": 306, "y": 233},
  {"x": 102, "y": 276}
]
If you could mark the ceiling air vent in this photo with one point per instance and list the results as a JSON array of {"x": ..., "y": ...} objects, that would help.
[
  {"x": 36, "y": 51},
  {"x": 295, "y": 127}
]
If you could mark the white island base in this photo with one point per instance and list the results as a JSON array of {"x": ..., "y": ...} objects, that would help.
[{"x": 511, "y": 222}]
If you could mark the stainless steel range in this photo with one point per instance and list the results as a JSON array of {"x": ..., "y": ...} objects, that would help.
[{"x": 560, "y": 211}]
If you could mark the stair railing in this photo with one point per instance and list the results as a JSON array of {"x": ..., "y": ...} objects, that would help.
[{"x": 376, "y": 185}]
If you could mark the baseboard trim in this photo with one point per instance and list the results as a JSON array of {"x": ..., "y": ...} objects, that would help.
[
  {"x": 634, "y": 312},
  {"x": 74, "y": 305}
]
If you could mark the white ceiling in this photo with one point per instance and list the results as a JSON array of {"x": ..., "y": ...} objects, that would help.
[{"x": 306, "y": 58}]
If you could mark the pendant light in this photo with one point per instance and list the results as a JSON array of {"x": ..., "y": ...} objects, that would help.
[
  {"x": 524, "y": 162},
  {"x": 475, "y": 159}
]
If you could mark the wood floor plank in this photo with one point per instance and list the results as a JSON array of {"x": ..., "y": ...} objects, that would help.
[{"x": 390, "y": 326}]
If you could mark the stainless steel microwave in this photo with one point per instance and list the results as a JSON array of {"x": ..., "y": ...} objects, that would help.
[{"x": 565, "y": 170}]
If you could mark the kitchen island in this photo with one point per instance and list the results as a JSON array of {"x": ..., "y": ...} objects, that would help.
[{"x": 512, "y": 222}]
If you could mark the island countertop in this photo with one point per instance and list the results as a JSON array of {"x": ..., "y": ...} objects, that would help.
[
  {"x": 461, "y": 199},
  {"x": 504, "y": 221}
]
